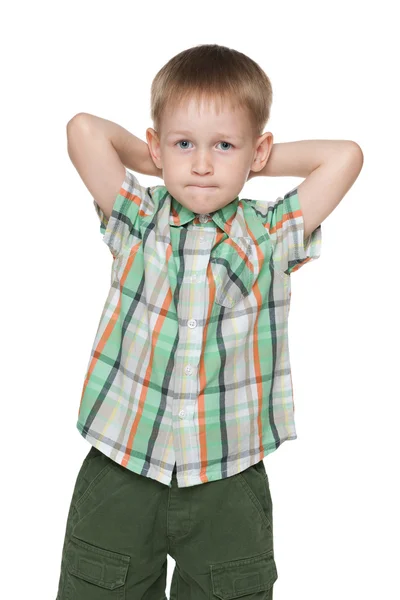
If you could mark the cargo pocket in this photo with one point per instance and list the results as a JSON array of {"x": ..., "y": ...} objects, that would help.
[
  {"x": 246, "y": 577},
  {"x": 94, "y": 573}
]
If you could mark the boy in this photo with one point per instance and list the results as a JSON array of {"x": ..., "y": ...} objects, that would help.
[{"x": 188, "y": 386}]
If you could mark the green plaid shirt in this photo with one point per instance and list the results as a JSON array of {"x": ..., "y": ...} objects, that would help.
[{"x": 190, "y": 362}]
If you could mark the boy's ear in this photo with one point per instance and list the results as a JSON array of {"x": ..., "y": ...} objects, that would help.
[
  {"x": 262, "y": 151},
  {"x": 153, "y": 142}
]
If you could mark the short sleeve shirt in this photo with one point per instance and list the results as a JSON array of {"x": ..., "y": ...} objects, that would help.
[{"x": 190, "y": 362}]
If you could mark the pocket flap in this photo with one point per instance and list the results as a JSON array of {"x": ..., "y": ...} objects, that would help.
[
  {"x": 238, "y": 578},
  {"x": 104, "y": 568},
  {"x": 234, "y": 270}
]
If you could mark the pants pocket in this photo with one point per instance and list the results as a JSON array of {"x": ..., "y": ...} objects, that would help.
[
  {"x": 94, "y": 573},
  {"x": 251, "y": 577},
  {"x": 256, "y": 488},
  {"x": 91, "y": 474}
]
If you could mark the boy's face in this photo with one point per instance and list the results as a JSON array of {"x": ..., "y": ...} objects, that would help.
[{"x": 216, "y": 150}]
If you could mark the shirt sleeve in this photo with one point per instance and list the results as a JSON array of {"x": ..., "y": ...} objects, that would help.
[
  {"x": 118, "y": 231},
  {"x": 285, "y": 223}
]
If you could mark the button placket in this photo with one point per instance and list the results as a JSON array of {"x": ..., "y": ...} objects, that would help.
[{"x": 191, "y": 322}]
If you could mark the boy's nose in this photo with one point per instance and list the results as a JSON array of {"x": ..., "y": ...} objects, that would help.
[
  {"x": 202, "y": 167},
  {"x": 202, "y": 162}
]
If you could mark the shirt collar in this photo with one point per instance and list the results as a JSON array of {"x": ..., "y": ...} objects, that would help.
[{"x": 223, "y": 217}]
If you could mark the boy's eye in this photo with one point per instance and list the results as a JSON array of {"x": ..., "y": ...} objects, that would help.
[{"x": 187, "y": 142}]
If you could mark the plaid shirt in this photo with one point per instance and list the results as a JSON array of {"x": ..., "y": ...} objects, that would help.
[{"x": 190, "y": 362}]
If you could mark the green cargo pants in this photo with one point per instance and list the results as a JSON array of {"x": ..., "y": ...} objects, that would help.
[{"x": 121, "y": 526}]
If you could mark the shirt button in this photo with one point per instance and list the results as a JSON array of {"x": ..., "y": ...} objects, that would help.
[
  {"x": 194, "y": 277},
  {"x": 204, "y": 218},
  {"x": 188, "y": 370},
  {"x": 192, "y": 323},
  {"x": 201, "y": 238},
  {"x": 182, "y": 414}
]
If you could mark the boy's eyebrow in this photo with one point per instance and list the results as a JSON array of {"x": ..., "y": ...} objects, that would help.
[{"x": 223, "y": 135}]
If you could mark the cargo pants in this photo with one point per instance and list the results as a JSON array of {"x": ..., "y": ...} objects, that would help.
[{"x": 121, "y": 526}]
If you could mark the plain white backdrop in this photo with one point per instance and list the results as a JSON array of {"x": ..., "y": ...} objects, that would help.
[{"x": 334, "y": 76}]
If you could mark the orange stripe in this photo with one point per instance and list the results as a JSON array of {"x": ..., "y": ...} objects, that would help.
[
  {"x": 145, "y": 387},
  {"x": 242, "y": 255},
  {"x": 256, "y": 355},
  {"x": 257, "y": 368},
  {"x": 203, "y": 382},
  {"x": 175, "y": 215},
  {"x": 129, "y": 196},
  {"x": 229, "y": 222},
  {"x": 286, "y": 217},
  {"x": 110, "y": 325},
  {"x": 202, "y": 372},
  {"x": 303, "y": 262}
]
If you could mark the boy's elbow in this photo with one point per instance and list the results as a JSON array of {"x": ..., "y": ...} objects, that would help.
[
  {"x": 357, "y": 150},
  {"x": 78, "y": 118}
]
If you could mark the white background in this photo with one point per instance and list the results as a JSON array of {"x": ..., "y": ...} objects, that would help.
[{"x": 334, "y": 76}]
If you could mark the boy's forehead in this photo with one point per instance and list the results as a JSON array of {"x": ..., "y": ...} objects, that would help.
[{"x": 188, "y": 118}]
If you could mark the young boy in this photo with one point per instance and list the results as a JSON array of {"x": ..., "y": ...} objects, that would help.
[{"x": 189, "y": 385}]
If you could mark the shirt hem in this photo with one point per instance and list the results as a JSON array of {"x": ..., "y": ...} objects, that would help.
[
  {"x": 242, "y": 466},
  {"x": 131, "y": 466},
  {"x": 182, "y": 479}
]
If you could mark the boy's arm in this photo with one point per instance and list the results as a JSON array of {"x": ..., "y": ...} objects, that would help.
[
  {"x": 330, "y": 168},
  {"x": 100, "y": 150}
]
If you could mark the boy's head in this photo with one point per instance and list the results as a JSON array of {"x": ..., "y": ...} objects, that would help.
[{"x": 221, "y": 100}]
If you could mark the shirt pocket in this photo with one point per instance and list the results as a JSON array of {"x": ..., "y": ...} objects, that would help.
[{"x": 235, "y": 268}]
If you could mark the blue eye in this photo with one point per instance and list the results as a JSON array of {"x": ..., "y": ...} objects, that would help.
[
  {"x": 181, "y": 142},
  {"x": 186, "y": 141}
]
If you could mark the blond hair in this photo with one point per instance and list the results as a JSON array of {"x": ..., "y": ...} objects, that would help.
[{"x": 213, "y": 73}]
